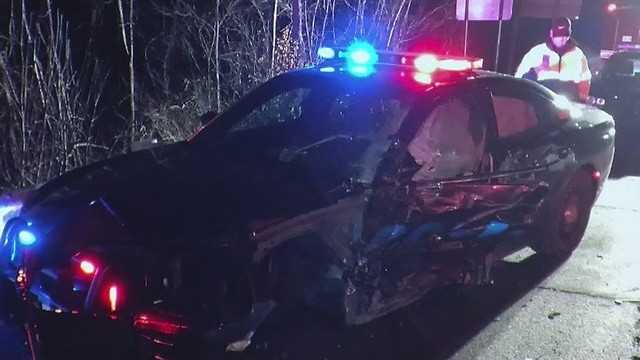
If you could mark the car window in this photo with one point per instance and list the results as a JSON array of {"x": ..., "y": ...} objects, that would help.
[
  {"x": 283, "y": 107},
  {"x": 450, "y": 143},
  {"x": 624, "y": 65},
  {"x": 326, "y": 128},
  {"x": 513, "y": 115}
]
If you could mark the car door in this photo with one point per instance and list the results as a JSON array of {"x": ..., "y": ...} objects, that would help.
[
  {"x": 531, "y": 146},
  {"x": 440, "y": 203}
]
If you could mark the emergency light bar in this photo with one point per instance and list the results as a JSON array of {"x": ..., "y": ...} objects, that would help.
[{"x": 361, "y": 57}]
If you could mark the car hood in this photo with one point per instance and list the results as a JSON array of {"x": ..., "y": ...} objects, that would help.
[{"x": 178, "y": 192}]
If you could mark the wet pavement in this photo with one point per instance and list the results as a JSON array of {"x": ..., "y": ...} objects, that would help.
[{"x": 586, "y": 308}]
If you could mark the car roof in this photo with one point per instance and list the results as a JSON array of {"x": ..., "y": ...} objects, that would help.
[
  {"x": 385, "y": 72},
  {"x": 627, "y": 54}
]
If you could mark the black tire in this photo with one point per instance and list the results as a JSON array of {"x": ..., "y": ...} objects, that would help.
[{"x": 567, "y": 217}]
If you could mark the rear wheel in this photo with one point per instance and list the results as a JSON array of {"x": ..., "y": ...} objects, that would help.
[{"x": 567, "y": 217}]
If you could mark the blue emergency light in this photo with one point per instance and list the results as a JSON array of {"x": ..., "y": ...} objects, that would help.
[
  {"x": 361, "y": 57},
  {"x": 326, "y": 53},
  {"x": 362, "y": 53},
  {"x": 26, "y": 237}
]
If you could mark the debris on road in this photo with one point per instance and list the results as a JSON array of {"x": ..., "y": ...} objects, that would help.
[{"x": 553, "y": 315}]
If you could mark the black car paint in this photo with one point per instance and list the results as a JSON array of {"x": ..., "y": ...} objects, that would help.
[{"x": 352, "y": 223}]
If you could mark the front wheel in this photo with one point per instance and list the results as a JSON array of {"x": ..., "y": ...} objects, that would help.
[{"x": 567, "y": 217}]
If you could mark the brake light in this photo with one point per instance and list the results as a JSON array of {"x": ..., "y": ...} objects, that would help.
[
  {"x": 87, "y": 267},
  {"x": 113, "y": 298}
]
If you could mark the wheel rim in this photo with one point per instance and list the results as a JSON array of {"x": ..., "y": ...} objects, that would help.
[
  {"x": 570, "y": 214},
  {"x": 572, "y": 220}
]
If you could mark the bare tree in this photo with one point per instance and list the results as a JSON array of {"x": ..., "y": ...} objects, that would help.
[
  {"x": 214, "y": 52},
  {"x": 389, "y": 24},
  {"x": 201, "y": 56},
  {"x": 48, "y": 106},
  {"x": 126, "y": 25}
]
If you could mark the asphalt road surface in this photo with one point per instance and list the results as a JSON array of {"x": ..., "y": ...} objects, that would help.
[{"x": 586, "y": 308}]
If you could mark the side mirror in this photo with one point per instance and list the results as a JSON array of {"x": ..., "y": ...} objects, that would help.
[{"x": 206, "y": 117}]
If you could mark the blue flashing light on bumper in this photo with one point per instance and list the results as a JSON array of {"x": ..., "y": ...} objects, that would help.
[{"x": 26, "y": 237}]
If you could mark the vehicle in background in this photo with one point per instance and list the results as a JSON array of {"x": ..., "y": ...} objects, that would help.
[{"x": 618, "y": 83}]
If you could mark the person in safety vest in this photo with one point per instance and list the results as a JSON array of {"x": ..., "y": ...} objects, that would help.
[{"x": 559, "y": 58}]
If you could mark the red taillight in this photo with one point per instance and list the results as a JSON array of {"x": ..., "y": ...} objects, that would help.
[
  {"x": 596, "y": 175},
  {"x": 87, "y": 267},
  {"x": 113, "y": 298}
]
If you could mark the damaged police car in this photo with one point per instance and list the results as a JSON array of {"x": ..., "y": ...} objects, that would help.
[{"x": 356, "y": 187}]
